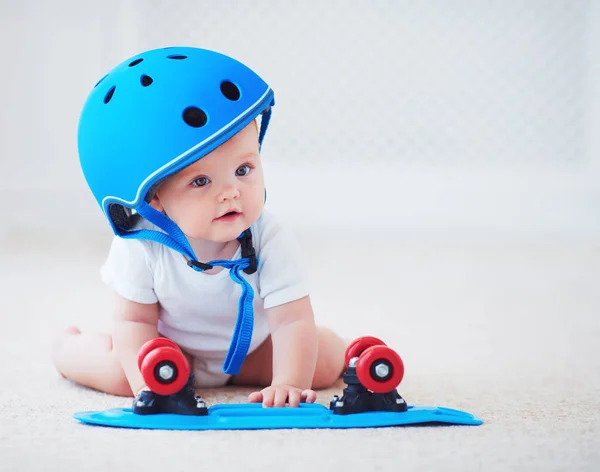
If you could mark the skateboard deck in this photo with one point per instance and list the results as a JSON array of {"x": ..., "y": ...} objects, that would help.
[{"x": 254, "y": 416}]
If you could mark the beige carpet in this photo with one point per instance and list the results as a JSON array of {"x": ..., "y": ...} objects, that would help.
[{"x": 506, "y": 330}]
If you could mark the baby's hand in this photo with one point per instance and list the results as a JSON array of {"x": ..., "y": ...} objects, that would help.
[{"x": 277, "y": 395}]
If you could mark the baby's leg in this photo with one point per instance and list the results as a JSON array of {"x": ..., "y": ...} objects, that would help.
[
  {"x": 257, "y": 369},
  {"x": 89, "y": 359}
]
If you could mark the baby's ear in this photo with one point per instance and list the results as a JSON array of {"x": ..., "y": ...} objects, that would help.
[{"x": 154, "y": 202}]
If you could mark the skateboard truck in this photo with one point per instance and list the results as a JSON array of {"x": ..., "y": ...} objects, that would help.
[
  {"x": 373, "y": 373},
  {"x": 358, "y": 399},
  {"x": 166, "y": 372},
  {"x": 183, "y": 402}
]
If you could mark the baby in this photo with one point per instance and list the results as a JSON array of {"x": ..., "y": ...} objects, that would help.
[{"x": 169, "y": 143}]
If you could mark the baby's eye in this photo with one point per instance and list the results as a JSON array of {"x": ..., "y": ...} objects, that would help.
[
  {"x": 242, "y": 170},
  {"x": 200, "y": 182}
]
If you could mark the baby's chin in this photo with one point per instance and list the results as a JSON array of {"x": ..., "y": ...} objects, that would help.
[
  {"x": 213, "y": 237},
  {"x": 221, "y": 233}
]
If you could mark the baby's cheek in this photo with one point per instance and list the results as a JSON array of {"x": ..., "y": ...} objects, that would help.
[
  {"x": 194, "y": 223},
  {"x": 259, "y": 201}
]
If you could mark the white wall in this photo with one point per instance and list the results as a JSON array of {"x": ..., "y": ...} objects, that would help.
[{"x": 468, "y": 118}]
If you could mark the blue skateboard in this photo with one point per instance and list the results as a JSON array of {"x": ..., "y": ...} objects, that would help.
[
  {"x": 254, "y": 416},
  {"x": 370, "y": 399}
]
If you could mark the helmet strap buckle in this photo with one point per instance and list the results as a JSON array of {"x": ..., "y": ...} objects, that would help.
[
  {"x": 199, "y": 265},
  {"x": 248, "y": 251}
]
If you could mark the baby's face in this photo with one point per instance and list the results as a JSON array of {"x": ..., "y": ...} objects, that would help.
[{"x": 219, "y": 196}]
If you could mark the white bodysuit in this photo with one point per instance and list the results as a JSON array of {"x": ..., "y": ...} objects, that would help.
[{"x": 198, "y": 311}]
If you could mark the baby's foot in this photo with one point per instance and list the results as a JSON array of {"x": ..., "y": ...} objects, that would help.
[{"x": 60, "y": 341}]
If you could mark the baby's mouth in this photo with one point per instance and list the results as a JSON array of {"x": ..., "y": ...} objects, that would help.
[{"x": 230, "y": 215}]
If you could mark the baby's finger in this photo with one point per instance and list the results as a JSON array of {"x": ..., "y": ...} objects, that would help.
[
  {"x": 255, "y": 397},
  {"x": 281, "y": 395},
  {"x": 309, "y": 396},
  {"x": 268, "y": 394},
  {"x": 294, "y": 398}
]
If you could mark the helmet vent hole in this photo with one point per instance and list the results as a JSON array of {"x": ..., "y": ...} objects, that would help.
[
  {"x": 230, "y": 90},
  {"x": 100, "y": 80},
  {"x": 110, "y": 94},
  {"x": 194, "y": 117},
  {"x": 136, "y": 62},
  {"x": 146, "y": 80},
  {"x": 176, "y": 56}
]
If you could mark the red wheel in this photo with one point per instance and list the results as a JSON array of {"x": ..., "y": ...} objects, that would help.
[
  {"x": 165, "y": 370},
  {"x": 151, "y": 345},
  {"x": 359, "y": 345},
  {"x": 380, "y": 369}
]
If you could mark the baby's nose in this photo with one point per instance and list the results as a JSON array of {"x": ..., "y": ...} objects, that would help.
[{"x": 228, "y": 192}]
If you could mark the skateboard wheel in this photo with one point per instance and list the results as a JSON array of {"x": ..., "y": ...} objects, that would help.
[
  {"x": 165, "y": 370},
  {"x": 359, "y": 345},
  {"x": 154, "y": 344},
  {"x": 380, "y": 369}
]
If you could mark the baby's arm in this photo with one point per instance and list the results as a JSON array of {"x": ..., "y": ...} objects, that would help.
[
  {"x": 295, "y": 344},
  {"x": 134, "y": 324},
  {"x": 294, "y": 337}
]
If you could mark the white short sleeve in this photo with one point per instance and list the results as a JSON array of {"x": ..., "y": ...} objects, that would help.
[
  {"x": 281, "y": 275},
  {"x": 128, "y": 270}
]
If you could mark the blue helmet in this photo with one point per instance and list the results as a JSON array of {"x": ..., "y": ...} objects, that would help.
[
  {"x": 153, "y": 115},
  {"x": 158, "y": 112}
]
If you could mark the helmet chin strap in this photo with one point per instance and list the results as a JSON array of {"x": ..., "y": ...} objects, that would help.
[{"x": 174, "y": 238}]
